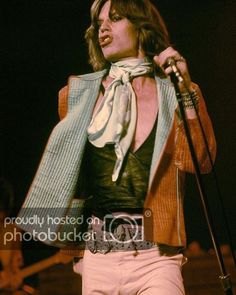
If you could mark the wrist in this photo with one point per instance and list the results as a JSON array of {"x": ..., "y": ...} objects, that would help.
[{"x": 190, "y": 99}]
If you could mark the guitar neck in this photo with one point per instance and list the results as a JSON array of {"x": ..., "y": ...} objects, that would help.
[{"x": 38, "y": 266}]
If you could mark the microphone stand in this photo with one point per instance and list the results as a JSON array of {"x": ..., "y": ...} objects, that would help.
[{"x": 176, "y": 78}]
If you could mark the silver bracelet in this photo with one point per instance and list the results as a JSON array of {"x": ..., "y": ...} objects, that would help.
[{"x": 190, "y": 100}]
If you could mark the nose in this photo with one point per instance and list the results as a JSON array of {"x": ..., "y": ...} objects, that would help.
[{"x": 105, "y": 26}]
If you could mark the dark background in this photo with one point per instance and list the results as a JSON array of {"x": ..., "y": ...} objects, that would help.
[{"x": 42, "y": 44}]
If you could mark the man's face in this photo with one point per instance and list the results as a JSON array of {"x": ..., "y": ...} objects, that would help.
[{"x": 117, "y": 36}]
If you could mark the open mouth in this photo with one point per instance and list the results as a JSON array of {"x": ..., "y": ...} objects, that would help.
[{"x": 105, "y": 40}]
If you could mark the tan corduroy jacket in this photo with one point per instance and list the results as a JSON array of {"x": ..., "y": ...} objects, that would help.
[{"x": 164, "y": 201}]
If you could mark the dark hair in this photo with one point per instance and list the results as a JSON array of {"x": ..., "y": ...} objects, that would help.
[{"x": 153, "y": 35}]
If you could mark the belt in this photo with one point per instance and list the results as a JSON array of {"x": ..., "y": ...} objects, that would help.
[
  {"x": 123, "y": 238},
  {"x": 123, "y": 233}
]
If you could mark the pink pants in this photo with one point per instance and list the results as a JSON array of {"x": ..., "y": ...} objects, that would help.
[{"x": 123, "y": 273}]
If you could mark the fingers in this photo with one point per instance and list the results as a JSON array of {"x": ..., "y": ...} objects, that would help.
[{"x": 162, "y": 60}]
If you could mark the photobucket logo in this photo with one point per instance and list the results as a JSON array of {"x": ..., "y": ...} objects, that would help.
[
  {"x": 47, "y": 236},
  {"x": 123, "y": 228}
]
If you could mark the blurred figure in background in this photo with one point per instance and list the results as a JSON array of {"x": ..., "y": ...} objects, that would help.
[{"x": 11, "y": 258}]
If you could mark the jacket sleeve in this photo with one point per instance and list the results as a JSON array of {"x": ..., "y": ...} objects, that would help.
[
  {"x": 62, "y": 102},
  {"x": 182, "y": 154}
]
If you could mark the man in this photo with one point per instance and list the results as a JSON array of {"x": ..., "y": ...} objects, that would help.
[
  {"x": 11, "y": 258},
  {"x": 121, "y": 140}
]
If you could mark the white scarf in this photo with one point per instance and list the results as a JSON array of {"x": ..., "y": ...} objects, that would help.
[{"x": 115, "y": 119}]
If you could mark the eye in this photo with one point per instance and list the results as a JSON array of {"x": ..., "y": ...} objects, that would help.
[{"x": 115, "y": 18}]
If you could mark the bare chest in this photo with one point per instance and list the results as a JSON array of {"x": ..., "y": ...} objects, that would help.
[{"x": 147, "y": 109}]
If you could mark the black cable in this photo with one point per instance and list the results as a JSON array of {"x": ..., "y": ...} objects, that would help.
[
  {"x": 172, "y": 63},
  {"x": 225, "y": 278}
]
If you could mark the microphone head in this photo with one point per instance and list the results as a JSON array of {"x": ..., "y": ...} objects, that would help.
[{"x": 170, "y": 61}]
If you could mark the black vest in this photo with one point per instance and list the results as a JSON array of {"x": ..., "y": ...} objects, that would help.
[{"x": 129, "y": 191}]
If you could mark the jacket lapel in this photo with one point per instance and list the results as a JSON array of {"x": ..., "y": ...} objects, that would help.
[{"x": 167, "y": 106}]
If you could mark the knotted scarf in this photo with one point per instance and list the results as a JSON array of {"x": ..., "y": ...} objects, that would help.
[{"x": 114, "y": 122}]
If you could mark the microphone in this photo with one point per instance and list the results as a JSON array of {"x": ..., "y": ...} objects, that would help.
[{"x": 172, "y": 64}]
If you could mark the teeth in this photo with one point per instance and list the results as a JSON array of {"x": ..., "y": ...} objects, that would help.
[{"x": 105, "y": 40}]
